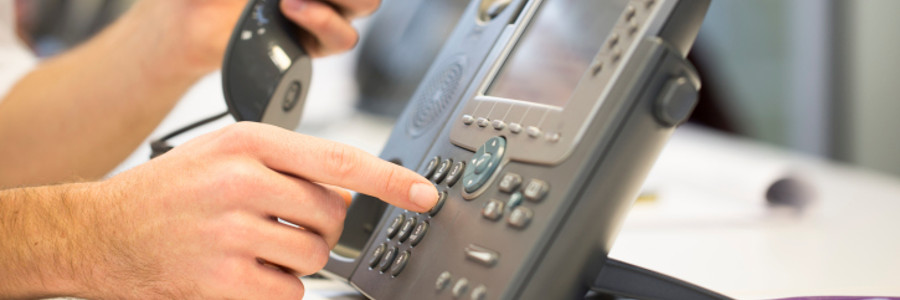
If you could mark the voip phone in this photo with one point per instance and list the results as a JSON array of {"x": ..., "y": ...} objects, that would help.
[{"x": 537, "y": 122}]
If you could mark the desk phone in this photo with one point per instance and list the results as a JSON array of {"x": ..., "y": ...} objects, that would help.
[{"x": 537, "y": 123}]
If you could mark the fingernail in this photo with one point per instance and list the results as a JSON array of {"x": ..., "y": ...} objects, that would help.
[
  {"x": 294, "y": 5},
  {"x": 423, "y": 195}
]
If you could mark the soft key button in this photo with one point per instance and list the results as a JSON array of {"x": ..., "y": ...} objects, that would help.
[{"x": 482, "y": 255}]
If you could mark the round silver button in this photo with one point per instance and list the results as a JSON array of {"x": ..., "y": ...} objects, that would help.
[
  {"x": 515, "y": 127},
  {"x": 553, "y": 137},
  {"x": 483, "y": 122},
  {"x": 498, "y": 124},
  {"x": 468, "y": 119},
  {"x": 533, "y": 132}
]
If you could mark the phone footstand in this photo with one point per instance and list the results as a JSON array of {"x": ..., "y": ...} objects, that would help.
[{"x": 619, "y": 280}]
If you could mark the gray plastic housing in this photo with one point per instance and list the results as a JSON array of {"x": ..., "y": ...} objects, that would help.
[{"x": 593, "y": 176}]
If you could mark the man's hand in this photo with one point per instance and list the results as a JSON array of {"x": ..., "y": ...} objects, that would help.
[
  {"x": 198, "y": 222},
  {"x": 198, "y": 30}
]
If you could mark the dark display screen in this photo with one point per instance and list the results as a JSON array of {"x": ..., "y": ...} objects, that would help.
[{"x": 556, "y": 50}]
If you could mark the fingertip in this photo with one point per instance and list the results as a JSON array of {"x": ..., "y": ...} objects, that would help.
[
  {"x": 424, "y": 196},
  {"x": 292, "y": 6}
]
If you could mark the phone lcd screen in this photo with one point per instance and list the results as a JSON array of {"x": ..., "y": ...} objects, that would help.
[{"x": 556, "y": 50}]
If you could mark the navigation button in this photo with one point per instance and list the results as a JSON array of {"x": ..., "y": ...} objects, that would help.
[
  {"x": 510, "y": 182},
  {"x": 482, "y": 255},
  {"x": 514, "y": 201},
  {"x": 482, "y": 163},
  {"x": 536, "y": 190},
  {"x": 395, "y": 224},
  {"x": 492, "y": 210}
]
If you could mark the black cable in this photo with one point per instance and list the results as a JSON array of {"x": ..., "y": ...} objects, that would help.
[{"x": 160, "y": 146}]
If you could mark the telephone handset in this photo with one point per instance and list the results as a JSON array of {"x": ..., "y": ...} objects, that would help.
[{"x": 266, "y": 72}]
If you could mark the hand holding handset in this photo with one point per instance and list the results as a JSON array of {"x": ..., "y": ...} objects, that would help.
[{"x": 266, "y": 72}]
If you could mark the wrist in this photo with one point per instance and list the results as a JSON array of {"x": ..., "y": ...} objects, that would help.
[{"x": 43, "y": 238}]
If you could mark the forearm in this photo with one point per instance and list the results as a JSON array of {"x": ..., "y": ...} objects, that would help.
[
  {"x": 80, "y": 114},
  {"x": 42, "y": 241}
]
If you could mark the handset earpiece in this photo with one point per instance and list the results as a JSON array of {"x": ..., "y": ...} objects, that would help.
[{"x": 266, "y": 72}]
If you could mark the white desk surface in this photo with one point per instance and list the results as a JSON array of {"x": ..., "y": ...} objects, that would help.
[{"x": 709, "y": 224}]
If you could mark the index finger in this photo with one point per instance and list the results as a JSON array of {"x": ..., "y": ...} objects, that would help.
[{"x": 329, "y": 162}]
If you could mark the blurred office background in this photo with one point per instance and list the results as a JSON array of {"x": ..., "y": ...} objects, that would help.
[{"x": 809, "y": 75}]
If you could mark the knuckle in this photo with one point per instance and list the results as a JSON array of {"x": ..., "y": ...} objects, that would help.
[
  {"x": 238, "y": 137},
  {"x": 319, "y": 252},
  {"x": 391, "y": 181},
  {"x": 342, "y": 160}
]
